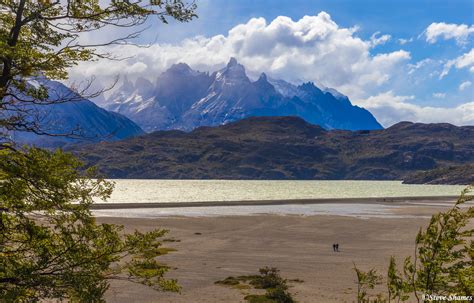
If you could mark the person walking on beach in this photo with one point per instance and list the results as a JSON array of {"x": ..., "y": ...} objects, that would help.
[
  {"x": 337, "y": 247},
  {"x": 333, "y": 247}
]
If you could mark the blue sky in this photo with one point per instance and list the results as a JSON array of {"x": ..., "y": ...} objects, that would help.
[
  {"x": 403, "y": 60},
  {"x": 402, "y": 18}
]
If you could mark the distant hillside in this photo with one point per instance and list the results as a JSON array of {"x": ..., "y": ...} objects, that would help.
[
  {"x": 84, "y": 119},
  {"x": 463, "y": 174},
  {"x": 284, "y": 148},
  {"x": 182, "y": 98}
]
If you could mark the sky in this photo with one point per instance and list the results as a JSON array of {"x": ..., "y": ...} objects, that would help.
[{"x": 402, "y": 60}]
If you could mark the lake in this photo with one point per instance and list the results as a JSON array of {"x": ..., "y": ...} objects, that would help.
[{"x": 146, "y": 191}]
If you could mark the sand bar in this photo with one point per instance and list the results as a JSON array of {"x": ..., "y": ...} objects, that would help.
[
  {"x": 390, "y": 201},
  {"x": 213, "y": 248}
]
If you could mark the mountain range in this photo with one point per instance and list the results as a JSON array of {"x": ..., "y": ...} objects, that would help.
[
  {"x": 288, "y": 148},
  {"x": 182, "y": 98},
  {"x": 77, "y": 121}
]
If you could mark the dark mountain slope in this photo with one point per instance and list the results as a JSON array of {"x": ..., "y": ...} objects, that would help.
[
  {"x": 284, "y": 148},
  {"x": 463, "y": 174},
  {"x": 81, "y": 117}
]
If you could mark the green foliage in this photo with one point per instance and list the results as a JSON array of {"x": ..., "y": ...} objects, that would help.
[
  {"x": 443, "y": 261},
  {"x": 32, "y": 31},
  {"x": 258, "y": 299},
  {"x": 398, "y": 289},
  {"x": 43, "y": 39},
  {"x": 366, "y": 281},
  {"x": 229, "y": 281},
  {"x": 269, "y": 279},
  {"x": 51, "y": 246},
  {"x": 445, "y": 252},
  {"x": 279, "y": 294}
]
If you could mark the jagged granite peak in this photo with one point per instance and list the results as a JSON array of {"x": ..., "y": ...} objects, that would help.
[
  {"x": 183, "y": 69},
  {"x": 310, "y": 88},
  {"x": 232, "y": 62},
  {"x": 180, "y": 68},
  {"x": 144, "y": 87},
  {"x": 263, "y": 77},
  {"x": 232, "y": 74},
  {"x": 185, "y": 99},
  {"x": 335, "y": 93},
  {"x": 284, "y": 88},
  {"x": 127, "y": 90},
  {"x": 264, "y": 86},
  {"x": 178, "y": 88}
]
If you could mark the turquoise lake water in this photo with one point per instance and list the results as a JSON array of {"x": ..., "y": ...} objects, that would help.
[{"x": 143, "y": 191}]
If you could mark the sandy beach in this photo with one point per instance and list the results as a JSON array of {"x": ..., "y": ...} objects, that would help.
[{"x": 213, "y": 248}]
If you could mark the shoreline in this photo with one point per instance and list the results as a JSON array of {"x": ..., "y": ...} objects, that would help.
[
  {"x": 371, "y": 200},
  {"x": 209, "y": 249}
]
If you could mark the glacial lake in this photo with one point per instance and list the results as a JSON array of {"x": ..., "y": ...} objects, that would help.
[{"x": 148, "y": 191}]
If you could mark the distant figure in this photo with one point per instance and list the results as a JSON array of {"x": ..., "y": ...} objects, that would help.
[
  {"x": 337, "y": 246},
  {"x": 334, "y": 247}
]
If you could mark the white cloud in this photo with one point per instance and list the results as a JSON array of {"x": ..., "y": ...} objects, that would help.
[
  {"x": 459, "y": 32},
  {"x": 389, "y": 109},
  {"x": 422, "y": 63},
  {"x": 439, "y": 95},
  {"x": 464, "y": 85},
  {"x": 405, "y": 41},
  {"x": 464, "y": 61},
  {"x": 313, "y": 48},
  {"x": 375, "y": 39}
]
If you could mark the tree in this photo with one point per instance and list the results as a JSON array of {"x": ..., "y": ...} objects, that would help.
[
  {"x": 42, "y": 39},
  {"x": 50, "y": 244},
  {"x": 443, "y": 261},
  {"x": 366, "y": 281}
]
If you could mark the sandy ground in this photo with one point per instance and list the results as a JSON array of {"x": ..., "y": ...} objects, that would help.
[{"x": 300, "y": 246}]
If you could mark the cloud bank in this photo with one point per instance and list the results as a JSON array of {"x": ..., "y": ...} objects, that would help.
[
  {"x": 313, "y": 48},
  {"x": 390, "y": 109},
  {"x": 446, "y": 31}
]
